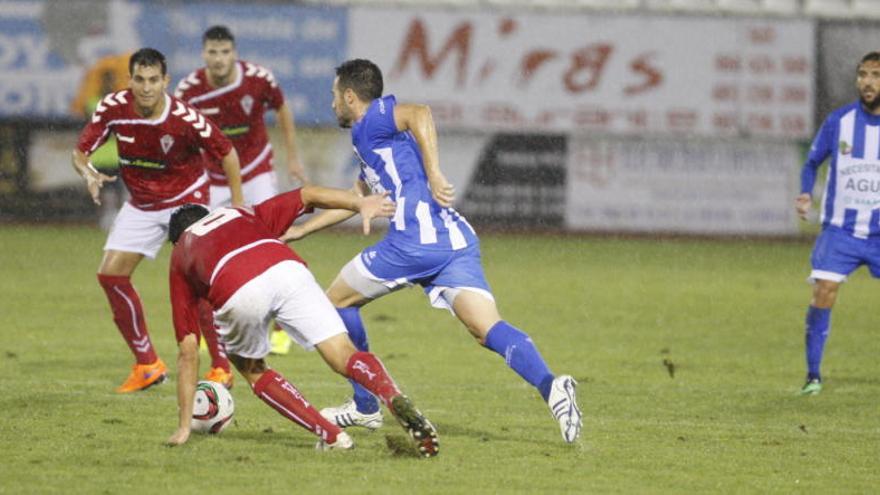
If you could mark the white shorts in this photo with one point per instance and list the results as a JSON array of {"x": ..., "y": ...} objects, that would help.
[
  {"x": 258, "y": 189},
  {"x": 139, "y": 231},
  {"x": 286, "y": 292}
]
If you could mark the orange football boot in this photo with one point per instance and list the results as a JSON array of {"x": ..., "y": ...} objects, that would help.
[
  {"x": 220, "y": 375},
  {"x": 144, "y": 376}
]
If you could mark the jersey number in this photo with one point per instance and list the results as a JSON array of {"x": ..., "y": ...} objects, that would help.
[{"x": 214, "y": 220}]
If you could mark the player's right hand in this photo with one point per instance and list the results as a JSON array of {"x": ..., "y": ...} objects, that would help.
[
  {"x": 802, "y": 205},
  {"x": 178, "y": 438},
  {"x": 297, "y": 172},
  {"x": 95, "y": 181}
]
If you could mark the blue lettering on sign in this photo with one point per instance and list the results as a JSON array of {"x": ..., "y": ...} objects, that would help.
[
  {"x": 40, "y": 70},
  {"x": 34, "y": 79},
  {"x": 300, "y": 45}
]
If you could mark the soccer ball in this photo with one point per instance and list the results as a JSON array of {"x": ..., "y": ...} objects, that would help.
[{"x": 213, "y": 408}]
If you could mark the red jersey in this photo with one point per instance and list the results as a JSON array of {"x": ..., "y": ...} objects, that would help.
[
  {"x": 239, "y": 110},
  {"x": 160, "y": 159},
  {"x": 217, "y": 255}
]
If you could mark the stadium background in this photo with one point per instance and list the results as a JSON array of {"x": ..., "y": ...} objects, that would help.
[
  {"x": 582, "y": 115},
  {"x": 688, "y": 350}
]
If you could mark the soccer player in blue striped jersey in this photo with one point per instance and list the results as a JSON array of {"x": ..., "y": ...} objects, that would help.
[
  {"x": 428, "y": 243},
  {"x": 850, "y": 211}
]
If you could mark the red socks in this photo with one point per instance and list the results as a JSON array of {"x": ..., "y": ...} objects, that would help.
[
  {"x": 129, "y": 316},
  {"x": 282, "y": 396},
  {"x": 215, "y": 347},
  {"x": 366, "y": 369}
]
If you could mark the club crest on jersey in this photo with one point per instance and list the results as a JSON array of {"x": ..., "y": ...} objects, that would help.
[
  {"x": 845, "y": 148},
  {"x": 247, "y": 103},
  {"x": 167, "y": 142}
]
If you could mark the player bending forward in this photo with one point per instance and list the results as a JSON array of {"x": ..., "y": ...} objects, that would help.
[{"x": 232, "y": 257}]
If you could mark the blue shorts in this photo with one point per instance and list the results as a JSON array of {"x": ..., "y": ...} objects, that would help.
[
  {"x": 386, "y": 267},
  {"x": 425, "y": 267},
  {"x": 837, "y": 254}
]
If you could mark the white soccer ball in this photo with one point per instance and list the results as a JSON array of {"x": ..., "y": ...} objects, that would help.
[{"x": 212, "y": 409}]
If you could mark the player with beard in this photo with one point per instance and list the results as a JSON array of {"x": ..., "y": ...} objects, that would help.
[
  {"x": 850, "y": 210},
  {"x": 159, "y": 140},
  {"x": 428, "y": 243},
  {"x": 236, "y": 94}
]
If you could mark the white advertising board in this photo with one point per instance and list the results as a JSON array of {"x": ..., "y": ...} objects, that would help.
[
  {"x": 532, "y": 71},
  {"x": 706, "y": 187}
]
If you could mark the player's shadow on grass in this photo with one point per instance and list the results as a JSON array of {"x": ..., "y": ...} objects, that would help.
[
  {"x": 290, "y": 437},
  {"x": 498, "y": 434},
  {"x": 401, "y": 446},
  {"x": 853, "y": 380}
]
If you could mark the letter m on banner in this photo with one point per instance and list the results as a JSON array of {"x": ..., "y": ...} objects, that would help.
[{"x": 415, "y": 46}]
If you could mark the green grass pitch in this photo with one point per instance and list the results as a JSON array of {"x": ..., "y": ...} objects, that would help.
[{"x": 721, "y": 416}]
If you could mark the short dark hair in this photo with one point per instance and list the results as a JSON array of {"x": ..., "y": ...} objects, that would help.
[
  {"x": 218, "y": 33},
  {"x": 361, "y": 76},
  {"x": 183, "y": 217},
  {"x": 147, "y": 57},
  {"x": 870, "y": 57}
]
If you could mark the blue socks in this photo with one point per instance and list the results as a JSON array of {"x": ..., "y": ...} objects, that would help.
[
  {"x": 520, "y": 353},
  {"x": 818, "y": 323},
  {"x": 517, "y": 349},
  {"x": 351, "y": 317}
]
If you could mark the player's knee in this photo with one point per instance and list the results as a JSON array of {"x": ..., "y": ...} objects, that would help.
[
  {"x": 337, "y": 351},
  {"x": 338, "y": 298},
  {"x": 250, "y": 369},
  {"x": 825, "y": 293},
  {"x": 479, "y": 327},
  {"x": 188, "y": 347}
]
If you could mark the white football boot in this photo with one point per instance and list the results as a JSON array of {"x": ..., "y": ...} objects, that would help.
[
  {"x": 563, "y": 406},
  {"x": 347, "y": 415},
  {"x": 343, "y": 442}
]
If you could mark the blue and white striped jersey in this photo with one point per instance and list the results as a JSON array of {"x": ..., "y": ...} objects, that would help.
[
  {"x": 851, "y": 202},
  {"x": 391, "y": 161}
]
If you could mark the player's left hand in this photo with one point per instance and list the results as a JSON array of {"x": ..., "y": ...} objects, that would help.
[
  {"x": 294, "y": 233},
  {"x": 374, "y": 206},
  {"x": 442, "y": 191},
  {"x": 179, "y": 437},
  {"x": 297, "y": 171}
]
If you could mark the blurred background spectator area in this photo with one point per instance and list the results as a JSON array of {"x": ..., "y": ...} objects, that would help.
[{"x": 642, "y": 116}]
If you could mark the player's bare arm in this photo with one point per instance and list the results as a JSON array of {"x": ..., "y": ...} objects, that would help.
[
  {"x": 418, "y": 120},
  {"x": 94, "y": 180},
  {"x": 370, "y": 207},
  {"x": 232, "y": 169},
  {"x": 288, "y": 130},
  {"x": 326, "y": 218},
  {"x": 187, "y": 377},
  {"x": 802, "y": 204}
]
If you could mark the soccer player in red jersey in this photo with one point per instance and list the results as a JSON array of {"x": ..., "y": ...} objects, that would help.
[
  {"x": 232, "y": 257},
  {"x": 160, "y": 141},
  {"x": 236, "y": 95}
]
